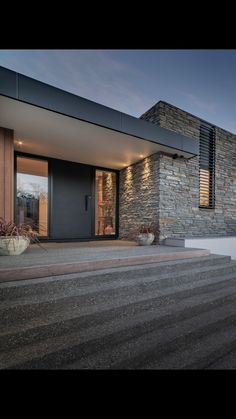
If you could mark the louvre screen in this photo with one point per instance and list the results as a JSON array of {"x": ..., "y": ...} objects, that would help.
[{"x": 207, "y": 167}]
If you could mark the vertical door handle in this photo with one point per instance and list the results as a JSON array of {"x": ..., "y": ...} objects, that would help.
[{"x": 86, "y": 198}]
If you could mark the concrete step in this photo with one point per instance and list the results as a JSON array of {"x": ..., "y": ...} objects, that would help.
[
  {"x": 137, "y": 318},
  {"x": 87, "y": 283},
  {"x": 201, "y": 350},
  {"x": 205, "y": 290},
  {"x": 20, "y": 309},
  {"x": 198, "y": 348},
  {"x": 192, "y": 344},
  {"x": 134, "y": 342},
  {"x": 29, "y": 269},
  {"x": 60, "y": 322},
  {"x": 65, "y": 283},
  {"x": 222, "y": 360}
]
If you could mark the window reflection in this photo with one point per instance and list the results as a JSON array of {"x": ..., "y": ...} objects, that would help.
[
  {"x": 32, "y": 193},
  {"x": 204, "y": 188},
  {"x": 105, "y": 206}
]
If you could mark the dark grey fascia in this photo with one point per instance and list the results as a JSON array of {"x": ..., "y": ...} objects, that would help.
[{"x": 34, "y": 92}]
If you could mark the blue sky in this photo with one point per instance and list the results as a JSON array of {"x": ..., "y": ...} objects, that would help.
[{"x": 202, "y": 82}]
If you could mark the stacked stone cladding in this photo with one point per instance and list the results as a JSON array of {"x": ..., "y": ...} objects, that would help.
[
  {"x": 139, "y": 194},
  {"x": 176, "y": 181}
]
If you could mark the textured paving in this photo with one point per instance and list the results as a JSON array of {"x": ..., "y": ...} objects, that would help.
[{"x": 168, "y": 315}]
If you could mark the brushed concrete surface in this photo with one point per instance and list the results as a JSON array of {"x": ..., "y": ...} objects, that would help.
[{"x": 167, "y": 315}]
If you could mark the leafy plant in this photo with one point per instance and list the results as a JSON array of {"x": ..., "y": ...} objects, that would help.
[
  {"x": 144, "y": 229},
  {"x": 106, "y": 206},
  {"x": 12, "y": 230}
]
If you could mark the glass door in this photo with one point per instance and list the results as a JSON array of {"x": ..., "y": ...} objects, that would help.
[
  {"x": 32, "y": 193},
  {"x": 105, "y": 203}
]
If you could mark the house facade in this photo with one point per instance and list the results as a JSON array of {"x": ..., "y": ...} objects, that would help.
[{"x": 77, "y": 170}]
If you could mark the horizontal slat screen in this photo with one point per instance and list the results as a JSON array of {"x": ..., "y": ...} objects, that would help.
[{"x": 207, "y": 167}]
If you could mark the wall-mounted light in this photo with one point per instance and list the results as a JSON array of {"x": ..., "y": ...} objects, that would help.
[{"x": 19, "y": 142}]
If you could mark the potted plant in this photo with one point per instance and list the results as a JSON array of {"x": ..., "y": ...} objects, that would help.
[
  {"x": 145, "y": 234},
  {"x": 106, "y": 207},
  {"x": 15, "y": 238}
]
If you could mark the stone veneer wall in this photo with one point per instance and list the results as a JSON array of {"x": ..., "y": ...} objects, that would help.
[
  {"x": 139, "y": 194},
  {"x": 177, "y": 184},
  {"x": 168, "y": 116}
]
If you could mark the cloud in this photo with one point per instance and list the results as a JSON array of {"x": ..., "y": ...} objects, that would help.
[
  {"x": 204, "y": 105},
  {"x": 101, "y": 78},
  {"x": 95, "y": 75}
]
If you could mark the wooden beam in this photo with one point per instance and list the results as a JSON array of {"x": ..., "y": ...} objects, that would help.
[{"x": 6, "y": 173}]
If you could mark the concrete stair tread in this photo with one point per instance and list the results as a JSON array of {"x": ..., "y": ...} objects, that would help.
[
  {"x": 110, "y": 283},
  {"x": 71, "y": 306},
  {"x": 145, "y": 310},
  {"x": 206, "y": 351},
  {"x": 44, "y": 325},
  {"x": 177, "y": 315},
  {"x": 201, "y": 349},
  {"x": 109, "y": 348},
  {"x": 222, "y": 360},
  {"x": 58, "y": 268},
  {"x": 41, "y": 257},
  {"x": 7, "y": 289},
  {"x": 19, "y": 315}
]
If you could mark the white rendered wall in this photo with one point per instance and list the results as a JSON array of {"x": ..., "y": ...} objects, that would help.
[{"x": 219, "y": 245}]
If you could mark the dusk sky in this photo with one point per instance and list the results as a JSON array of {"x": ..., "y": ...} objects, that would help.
[{"x": 202, "y": 82}]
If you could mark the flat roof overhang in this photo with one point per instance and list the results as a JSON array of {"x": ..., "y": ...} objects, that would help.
[{"x": 54, "y": 123}]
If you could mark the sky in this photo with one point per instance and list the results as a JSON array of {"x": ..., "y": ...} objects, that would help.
[{"x": 202, "y": 82}]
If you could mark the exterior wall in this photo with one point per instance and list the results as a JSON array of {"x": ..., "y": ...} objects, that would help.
[
  {"x": 6, "y": 173},
  {"x": 178, "y": 196},
  {"x": 177, "y": 184},
  {"x": 219, "y": 246},
  {"x": 139, "y": 194},
  {"x": 225, "y": 179},
  {"x": 168, "y": 116}
]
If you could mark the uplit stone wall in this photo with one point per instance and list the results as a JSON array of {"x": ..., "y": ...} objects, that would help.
[
  {"x": 139, "y": 194},
  {"x": 172, "y": 195}
]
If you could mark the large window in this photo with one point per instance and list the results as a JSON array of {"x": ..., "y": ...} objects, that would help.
[
  {"x": 105, "y": 203},
  {"x": 32, "y": 193},
  {"x": 207, "y": 167}
]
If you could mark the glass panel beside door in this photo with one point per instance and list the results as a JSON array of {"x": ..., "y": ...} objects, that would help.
[
  {"x": 32, "y": 193},
  {"x": 105, "y": 203}
]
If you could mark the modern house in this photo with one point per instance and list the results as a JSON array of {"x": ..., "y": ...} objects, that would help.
[{"x": 80, "y": 170}]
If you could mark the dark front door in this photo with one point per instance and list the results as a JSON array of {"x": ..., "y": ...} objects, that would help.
[{"x": 71, "y": 203}]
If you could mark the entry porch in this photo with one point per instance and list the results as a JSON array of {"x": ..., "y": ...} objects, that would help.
[{"x": 54, "y": 259}]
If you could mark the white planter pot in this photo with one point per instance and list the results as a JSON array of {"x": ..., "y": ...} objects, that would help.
[
  {"x": 145, "y": 239},
  {"x": 13, "y": 246}
]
